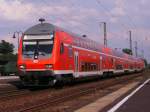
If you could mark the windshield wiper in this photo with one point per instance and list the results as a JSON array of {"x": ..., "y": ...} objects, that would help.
[
  {"x": 27, "y": 54},
  {"x": 36, "y": 53},
  {"x": 42, "y": 53}
]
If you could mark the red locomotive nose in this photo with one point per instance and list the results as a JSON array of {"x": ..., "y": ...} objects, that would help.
[
  {"x": 35, "y": 64},
  {"x": 37, "y": 51}
]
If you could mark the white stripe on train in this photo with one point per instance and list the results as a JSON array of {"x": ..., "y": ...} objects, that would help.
[
  {"x": 98, "y": 52},
  {"x": 88, "y": 73}
]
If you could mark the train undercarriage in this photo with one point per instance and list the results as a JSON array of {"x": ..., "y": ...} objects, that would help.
[{"x": 48, "y": 78}]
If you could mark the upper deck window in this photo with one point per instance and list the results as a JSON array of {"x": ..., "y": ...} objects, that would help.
[
  {"x": 61, "y": 48},
  {"x": 38, "y": 37}
]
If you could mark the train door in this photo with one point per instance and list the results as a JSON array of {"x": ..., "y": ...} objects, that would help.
[
  {"x": 100, "y": 65},
  {"x": 101, "y": 62},
  {"x": 114, "y": 63},
  {"x": 76, "y": 64}
]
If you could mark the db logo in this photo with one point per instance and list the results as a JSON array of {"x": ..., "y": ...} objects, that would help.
[{"x": 35, "y": 61}]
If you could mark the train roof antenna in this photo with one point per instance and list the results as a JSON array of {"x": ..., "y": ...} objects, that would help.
[
  {"x": 41, "y": 20},
  {"x": 84, "y": 35}
]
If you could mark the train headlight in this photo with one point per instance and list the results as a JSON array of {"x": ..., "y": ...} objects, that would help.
[
  {"x": 22, "y": 67},
  {"x": 48, "y": 66},
  {"x": 51, "y": 36}
]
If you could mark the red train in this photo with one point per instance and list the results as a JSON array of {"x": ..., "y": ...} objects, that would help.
[{"x": 48, "y": 54}]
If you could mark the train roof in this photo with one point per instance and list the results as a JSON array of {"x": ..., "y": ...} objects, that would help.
[
  {"x": 40, "y": 29},
  {"x": 46, "y": 28}
]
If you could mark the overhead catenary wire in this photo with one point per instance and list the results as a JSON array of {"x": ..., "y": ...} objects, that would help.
[
  {"x": 78, "y": 28},
  {"x": 98, "y": 22},
  {"x": 110, "y": 14},
  {"x": 135, "y": 25},
  {"x": 68, "y": 16},
  {"x": 112, "y": 33},
  {"x": 85, "y": 24},
  {"x": 131, "y": 20},
  {"x": 64, "y": 20}
]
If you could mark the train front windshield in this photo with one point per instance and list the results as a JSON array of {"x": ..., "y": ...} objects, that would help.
[{"x": 37, "y": 46}]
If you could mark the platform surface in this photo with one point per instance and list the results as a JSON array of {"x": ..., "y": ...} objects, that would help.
[
  {"x": 137, "y": 101},
  {"x": 8, "y": 77},
  {"x": 134, "y": 97},
  {"x": 103, "y": 102}
]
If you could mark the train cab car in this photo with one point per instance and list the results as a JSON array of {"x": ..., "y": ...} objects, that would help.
[{"x": 37, "y": 54}]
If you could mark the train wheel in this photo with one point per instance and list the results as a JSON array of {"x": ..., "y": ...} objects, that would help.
[
  {"x": 105, "y": 75},
  {"x": 52, "y": 82}
]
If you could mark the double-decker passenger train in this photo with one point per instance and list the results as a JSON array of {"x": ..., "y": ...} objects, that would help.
[{"x": 48, "y": 54}]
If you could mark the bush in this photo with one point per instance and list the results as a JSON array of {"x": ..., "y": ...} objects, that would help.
[{"x": 10, "y": 68}]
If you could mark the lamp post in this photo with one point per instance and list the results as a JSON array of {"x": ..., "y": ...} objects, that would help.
[{"x": 18, "y": 35}]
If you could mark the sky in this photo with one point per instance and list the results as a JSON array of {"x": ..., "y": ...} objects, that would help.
[{"x": 82, "y": 17}]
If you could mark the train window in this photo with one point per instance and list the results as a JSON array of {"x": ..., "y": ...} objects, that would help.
[
  {"x": 89, "y": 66},
  {"x": 78, "y": 43},
  {"x": 119, "y": 67},
  {"x": 28, "y": 48},
  {"x": 42, "y": 47},
  {"x": 87, "y": 46},
  {"x": 82, "y": 66},
  {"x": 61, "y": 48},
  {"x": 95, "y": 67},
  {"x": 92, "y": 67},
  {"x": 112, "y": 60},
  {"x": 70, "y": 51},
  {"x": 86, "y": 66},
  {"x": 74, "y": 42},
  {"x": 131, "y": 67}
]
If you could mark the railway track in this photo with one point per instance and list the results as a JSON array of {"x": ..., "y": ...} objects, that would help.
[
  {"x": 9, "y": 91},
  {"x": 13, "y": 93},
  {"x": 74, "y": 93}
]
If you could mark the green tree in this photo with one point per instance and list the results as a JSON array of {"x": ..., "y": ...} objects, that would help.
[
  {"x": 7, "y": 58},
  {"x": 6, "y": 47},
  {"x": 127, "y": 51},
  {"x": 148, "y": 66},
  {"x": 10, "y": 67}
]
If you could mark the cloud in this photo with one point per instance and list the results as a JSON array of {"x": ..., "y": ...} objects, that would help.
[
  {"x": 65, "y": 16},
  {"x": 15, "y": 10},
  {"x": 119, "y": 9},
  {"x": 143, "y": 2}
]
